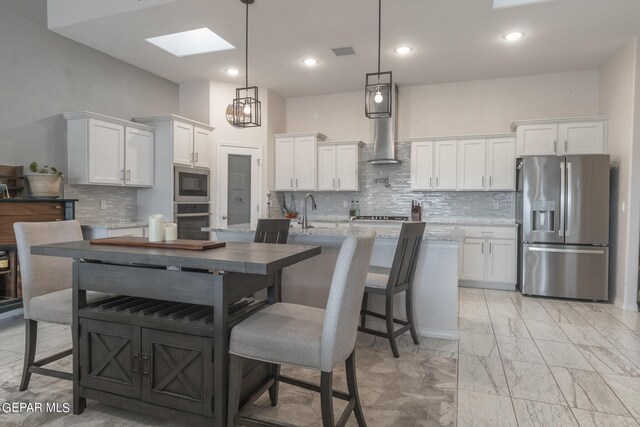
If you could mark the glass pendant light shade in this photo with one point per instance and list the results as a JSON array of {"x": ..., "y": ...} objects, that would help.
[
  {"x": 377, "y": 95},
  {"x": 247, "y": 108}
]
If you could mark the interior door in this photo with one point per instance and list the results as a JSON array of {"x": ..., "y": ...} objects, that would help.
[
  {"x": 139, "y": 151},
  {"x": 587, "y": 195},
  {"x": 239, "y": 186},
  {"x": 471, "y": 165},
  {"x": 106, "y": 153},
  {"x": 327, "y": 168}
]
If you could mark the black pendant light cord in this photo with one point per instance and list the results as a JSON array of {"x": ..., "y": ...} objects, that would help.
[
  {"x": 246, "y": 50},
  {"x": 379, "y": 32}
]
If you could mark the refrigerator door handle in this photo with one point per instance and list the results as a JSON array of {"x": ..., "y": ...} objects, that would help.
[
  {"x": 568, "y": 251},
  {"x": 569, "y": 198},
  {"x": 562, "y": 198}
]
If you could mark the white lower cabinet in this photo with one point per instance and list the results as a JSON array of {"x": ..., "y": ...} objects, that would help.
[{"x": 488, "y": 257}]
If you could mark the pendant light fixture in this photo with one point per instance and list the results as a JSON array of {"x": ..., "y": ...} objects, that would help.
[
  {"x": 246, "y": 107},
  {"x": 377, "y": 91}
]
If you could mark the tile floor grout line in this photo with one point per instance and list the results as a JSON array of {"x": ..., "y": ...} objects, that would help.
[{"x": 504, "y": 372}]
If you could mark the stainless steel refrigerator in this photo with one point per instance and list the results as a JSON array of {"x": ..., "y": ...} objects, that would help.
[{"x": 565, "y": 226}]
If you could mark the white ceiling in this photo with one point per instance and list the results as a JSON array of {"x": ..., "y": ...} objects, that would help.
[{"x": 452, "y": 40}]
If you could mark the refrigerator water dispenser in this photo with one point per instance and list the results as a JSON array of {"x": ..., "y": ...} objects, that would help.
[{"x": 543, "y": 215}]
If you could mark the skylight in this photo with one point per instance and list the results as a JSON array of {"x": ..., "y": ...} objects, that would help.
[
  {"x": 192, "y": 42},
  {"x": 500, "y": 4}
]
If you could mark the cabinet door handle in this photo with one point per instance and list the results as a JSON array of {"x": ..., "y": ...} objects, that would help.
[
  {"x": 334, "y": 183},
  {"x": 482, "y": 249},
  {"x": 191, "y": 157},
  {"x": 145, "y": 358},
  {"x": 555, "y": 146},
  {"x": 490, "y": 244},
  {"x": 565, "y": 146},
  {"x": 483, "y": 182},
  {"x": 196, "y": 157},
  {"x": 296, "y": 182},
  {"x": 429, "y": 182},
  {"x": 122, "y": 175},
  {"x": 338, "y": 182},
  {"x": 490, "y": 182},
  {"x": 129, "y": 175},
  {"x": 437, "y": 182},
  {"x": 135, "y": 360}
]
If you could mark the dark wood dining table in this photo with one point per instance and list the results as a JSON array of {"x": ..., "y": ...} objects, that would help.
[{"x": 214, "y": 278}]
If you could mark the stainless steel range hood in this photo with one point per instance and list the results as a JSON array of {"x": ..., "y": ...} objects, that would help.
[{"x": 384, "y": 135}]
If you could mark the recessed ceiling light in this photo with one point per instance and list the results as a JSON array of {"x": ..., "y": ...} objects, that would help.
[
  {"x": 233, "y": 71},
  {"x": 513, "y": 36},
  {"x": 402, "y": 50},
  {"x": 192, "y": 42},
  {"x": 310, "y": 62}
]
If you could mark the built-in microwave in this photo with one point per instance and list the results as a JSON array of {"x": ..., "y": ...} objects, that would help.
[{"x": 190, "y": 185}]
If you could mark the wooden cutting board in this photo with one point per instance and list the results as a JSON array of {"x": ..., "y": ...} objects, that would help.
[{"x": 143, "y": 242}]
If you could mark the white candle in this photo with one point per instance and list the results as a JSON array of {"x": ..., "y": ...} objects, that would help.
[
  {"x": 170, "y": 231},
  {"x": 156, "y": 228}
]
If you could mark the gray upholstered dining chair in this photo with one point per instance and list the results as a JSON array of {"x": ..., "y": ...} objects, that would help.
[
  {"x": 309, "y": 337},
  {"x": 272, "y": 231},
  {"x": 46, "y": 289},
  {"x": 389, "y": 282}
]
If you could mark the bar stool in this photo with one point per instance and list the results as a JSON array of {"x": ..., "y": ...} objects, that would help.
[
  {"x": 46, "y": 289},
  {"x": 272, "y": 231},
  {"x": 389, "y": 282},
  {"x": 309, "y": 337}
]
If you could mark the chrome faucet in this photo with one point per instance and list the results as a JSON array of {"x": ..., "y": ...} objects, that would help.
[{"x": 305, "y": 221}]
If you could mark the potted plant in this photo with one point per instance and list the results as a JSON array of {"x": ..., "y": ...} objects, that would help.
[{"x": 44, "y": 181}]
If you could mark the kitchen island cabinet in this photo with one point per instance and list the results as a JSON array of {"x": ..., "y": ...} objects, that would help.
[
  {"x": 172, "y": 363},
  {"x": 436, "y": 279}
]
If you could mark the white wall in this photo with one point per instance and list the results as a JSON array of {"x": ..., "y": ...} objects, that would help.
[
  {"x": 44, "y": 74},
  {"x": 480, "y": 106},
  {"x": 617, "y": 100},
  {"x": 194, "y": 101}
]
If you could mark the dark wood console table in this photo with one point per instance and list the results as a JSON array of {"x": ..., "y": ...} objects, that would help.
[{"x": 135, "y": 344}]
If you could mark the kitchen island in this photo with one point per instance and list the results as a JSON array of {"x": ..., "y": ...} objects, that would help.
[
  {"x": 436, "y": 279},
  {"x": 161, "y": 345}
]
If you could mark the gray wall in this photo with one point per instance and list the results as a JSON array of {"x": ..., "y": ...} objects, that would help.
[
  {"x": 376, "y": 199},
  {"x": 44, "y": 74}
]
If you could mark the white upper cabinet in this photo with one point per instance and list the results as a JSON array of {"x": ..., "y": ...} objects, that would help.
[
  {"x": 468, "y": 163},
  {"x": 338, "y": 165},
  {"x": 188, "y": 142},
  {"x": 182, "y": 143},
  {"x": 446, "y": 165},
  {"x": 501, "y": 164},
  {"x": 561, "y": 137},
  {"x": 471, "y": 164},
  {"x": 201, "y": 147},
  {"x": 139, "y": 157},
  {"x": 295, "y": 161},
  {"x": 105, "y": 150},
  {"x": 581, "y": 138},
  {"x": 422, "y": 165}
]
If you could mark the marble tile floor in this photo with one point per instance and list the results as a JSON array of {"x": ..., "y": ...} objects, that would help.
[{"x": 520, "y": 361}]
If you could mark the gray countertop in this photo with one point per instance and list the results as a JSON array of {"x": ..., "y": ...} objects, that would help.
[
  {"x": 430, "y": 234},
  {"x": 440, "y": 220},
  {"x": 116, "y": 225}
]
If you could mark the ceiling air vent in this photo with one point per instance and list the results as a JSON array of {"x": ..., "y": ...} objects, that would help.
[{"x": 344, "y": 51}]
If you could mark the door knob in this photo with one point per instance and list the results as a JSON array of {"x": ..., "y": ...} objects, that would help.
[{"x": 224, "y": 217}]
